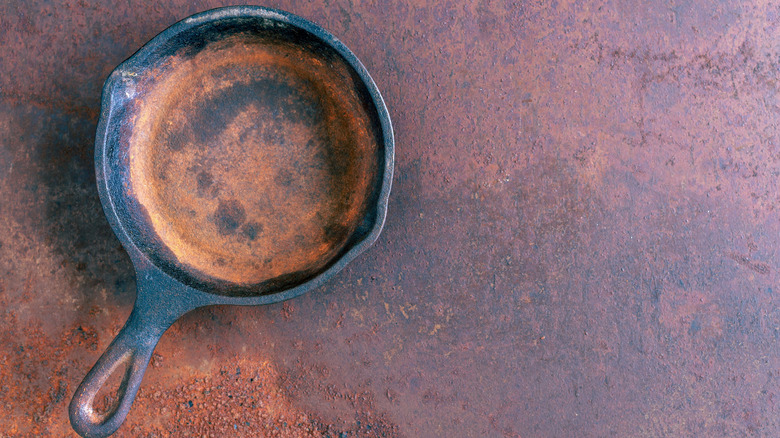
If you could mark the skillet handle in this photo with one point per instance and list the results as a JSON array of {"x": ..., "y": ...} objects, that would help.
[{"x": 133, "y": 346}]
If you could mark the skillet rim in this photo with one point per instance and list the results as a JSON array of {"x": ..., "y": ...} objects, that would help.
[{"x": 113, "y": 94}]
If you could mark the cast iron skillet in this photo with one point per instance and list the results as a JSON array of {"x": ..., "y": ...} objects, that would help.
[{"x": 243, "y": 156}]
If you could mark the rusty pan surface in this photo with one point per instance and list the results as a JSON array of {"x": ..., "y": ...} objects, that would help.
[
  {"x": 254, "y": 159},
  {"x": 249, "y": 154}
]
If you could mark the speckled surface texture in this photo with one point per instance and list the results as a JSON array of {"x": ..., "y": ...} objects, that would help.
[{"x": 581, "y": 239}]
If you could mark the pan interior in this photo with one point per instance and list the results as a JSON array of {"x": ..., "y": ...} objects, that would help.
[{"x": 252, "y": 160}]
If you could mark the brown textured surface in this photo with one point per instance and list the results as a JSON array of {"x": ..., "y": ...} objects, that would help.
[
  {"x": 581, "y": 240},
  {"x": 253, "y": 159}
]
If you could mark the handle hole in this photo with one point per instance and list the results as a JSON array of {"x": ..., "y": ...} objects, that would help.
[{"x": 108, "y": 396}]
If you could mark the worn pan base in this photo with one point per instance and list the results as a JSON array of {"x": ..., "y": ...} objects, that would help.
[{"x": 252, "y": 160}]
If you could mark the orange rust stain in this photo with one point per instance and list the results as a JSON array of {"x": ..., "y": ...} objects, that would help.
[
  {"x": 247, "y": 399},
  {"x": 253, "y": 159}
]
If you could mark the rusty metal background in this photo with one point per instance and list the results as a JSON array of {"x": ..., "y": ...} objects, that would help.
[{"x": 582, "y": 236}]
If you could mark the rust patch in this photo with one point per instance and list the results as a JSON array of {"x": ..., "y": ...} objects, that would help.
[
  {"x": 253, "y": 158},
  {"x": 249, "y": 399},
  {"x": 761, "y": 268}
]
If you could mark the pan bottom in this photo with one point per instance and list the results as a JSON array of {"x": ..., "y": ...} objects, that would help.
[{"x": 253, "y": 159}]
